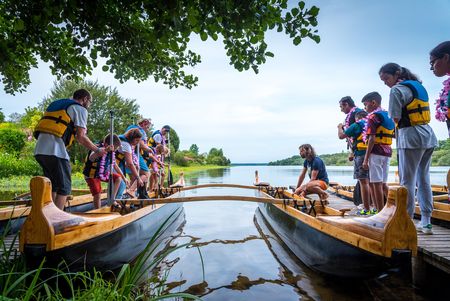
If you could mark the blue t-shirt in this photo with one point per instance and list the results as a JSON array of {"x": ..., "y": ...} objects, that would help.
[
  {"x": 317, "y": 164},
  {"x": 144, "y": 134}
]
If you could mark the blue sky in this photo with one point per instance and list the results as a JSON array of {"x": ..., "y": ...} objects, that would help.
[{"x": 294, "y": 98}]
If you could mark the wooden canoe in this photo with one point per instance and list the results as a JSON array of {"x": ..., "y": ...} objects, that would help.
[
  {"x": 346, "y": 246},
  {"x": 100, "y": 239},
  {"x": 17, "y": 211},
  {"x": 441, "y": 204}
]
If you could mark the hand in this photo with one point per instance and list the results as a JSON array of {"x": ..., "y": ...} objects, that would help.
[
  {"x": 140, "y": 182},
  {"x": 102, "y": 151},
  {"x": 365, "y": 165},
  {"x": 340, "y": 126},
  {"x": 351, "y": 157}
]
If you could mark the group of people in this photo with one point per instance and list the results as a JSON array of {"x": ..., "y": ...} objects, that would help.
[
  {"x": 370, "y": 133},
  {"x": 133, "y": 153}
]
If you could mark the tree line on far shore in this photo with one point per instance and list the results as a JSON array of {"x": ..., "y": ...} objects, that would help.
[
  {"x": 17, "y": 142},
  {"x": 441, "y": 157}
]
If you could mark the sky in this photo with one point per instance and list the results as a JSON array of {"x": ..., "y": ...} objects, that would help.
[{"x": 295, "y": 97}]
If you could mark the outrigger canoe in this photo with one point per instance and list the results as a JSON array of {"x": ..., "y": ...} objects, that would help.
[
  {"x": 13, "y": 215},
  {"x": 332, "y": 242},
  {"x": 100, "y": 239}
]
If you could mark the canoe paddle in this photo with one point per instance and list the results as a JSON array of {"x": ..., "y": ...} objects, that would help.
[
  {"x": 169, "y": 176},
  {"x": 111, "y": 197}
]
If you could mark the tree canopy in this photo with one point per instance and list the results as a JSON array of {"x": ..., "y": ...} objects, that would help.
[{"x": 139, "y": 39}]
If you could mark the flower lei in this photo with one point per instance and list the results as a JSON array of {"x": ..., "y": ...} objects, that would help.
[
  {"x": 442, "y": 102},
  {"x": 347, "y": 118},
  {"x": 366, "y": 126},
  {"x": 104, "y": 170},
  {"x": 134, "y": 156}
]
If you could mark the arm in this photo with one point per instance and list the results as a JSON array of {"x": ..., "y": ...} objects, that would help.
[
  {"x": 134, "y": 172},
  {"x": 301, "y": 177},
  {"x": 87, "y": 143},
  {"x": 314, "y": 174},
  {"x": 370, "y": 144},
  {"x": 341, "y": 133},
  {"x": 119, "y": 171}
]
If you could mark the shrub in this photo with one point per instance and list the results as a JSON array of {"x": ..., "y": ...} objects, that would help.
[
  {"x": 180, "y": 160},
  {"x": 11, "y": 165},
  {"x": 12, "y": 140}
]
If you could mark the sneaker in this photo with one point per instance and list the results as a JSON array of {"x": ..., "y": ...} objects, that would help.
[
  {"x": 373, "y": 211},
  {"x": 363, "y": 212},
  {"x": 428, "y": 229}
]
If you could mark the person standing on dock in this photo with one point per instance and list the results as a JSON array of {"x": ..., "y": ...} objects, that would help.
[
  {"x": 355, "y": 132},
  {"x": 317, "y": 172},
  {"x": 409, "y": 107},
  {"x": 159, "y": 137},
  {"x": 440, "y": 65},
  {"x": 348, "y": 107},
  {"x": 378, "y": 135},
  {"x": 64, "y": 121}
]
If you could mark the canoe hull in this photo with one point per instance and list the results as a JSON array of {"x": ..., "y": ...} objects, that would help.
[
  {"x": 113, "y": 249},
  {"x": 319, "y": 251},
  {"x": 16, "y": 223}
]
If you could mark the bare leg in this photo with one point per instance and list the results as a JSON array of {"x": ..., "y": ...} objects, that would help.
[
  {"x": 60, "y": 201},
  {"x": 97, "y": 201},
  {"x": 365, "y": 193},
  {"x": 377, "y": 189},
  {"x": 314, "y": 188}
]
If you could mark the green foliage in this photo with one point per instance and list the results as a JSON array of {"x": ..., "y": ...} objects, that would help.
[
  {"x": 12, "y": 141},
  {"x": 194, "y": 149},
  {"x": 11, "y": 165},
  {"x": 174, "y": 140},
  {"x": 180, "y": 160},
  {"x": 31, "y": 117},
  {"x": 216, "y": 157},
  {"x": 141, "y": 39},
  {"x": 2, "y": 116},
  {"x": 441, "y": 155},
  {"x": 105, "y": 99}
]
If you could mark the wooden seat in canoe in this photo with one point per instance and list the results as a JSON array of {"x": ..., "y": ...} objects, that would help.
[{"x": 390, "y": 227}]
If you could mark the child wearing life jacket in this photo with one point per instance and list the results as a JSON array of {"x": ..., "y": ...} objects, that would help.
[
  {"x": 378, "y": 135},
  {"x": 355, "y": 133},
  {"x": 97, "y": 168},
  {"x": 157, "y": 166}
]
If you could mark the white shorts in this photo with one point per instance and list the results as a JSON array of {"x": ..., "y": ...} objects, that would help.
[{"x": 378, "y": 168}]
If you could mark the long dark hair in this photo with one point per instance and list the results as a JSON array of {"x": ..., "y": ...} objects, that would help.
[
  {"x": 403, "y": 73},
  {"x": 310, "y": 152},
  {"x": 440, "y": 50}
]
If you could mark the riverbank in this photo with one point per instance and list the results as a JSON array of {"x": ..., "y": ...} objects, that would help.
[{"x": 18, "y": 184}]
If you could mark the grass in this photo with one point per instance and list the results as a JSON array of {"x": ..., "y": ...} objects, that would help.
[
  {"x": 130, "y": 283},
  {"x": 22, "y": 183}
]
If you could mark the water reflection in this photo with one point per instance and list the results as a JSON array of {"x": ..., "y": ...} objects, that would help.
[{"x": 235, "y": 256}]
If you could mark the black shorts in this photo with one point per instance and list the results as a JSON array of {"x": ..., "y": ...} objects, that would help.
[{"x": 59, "y": 171}]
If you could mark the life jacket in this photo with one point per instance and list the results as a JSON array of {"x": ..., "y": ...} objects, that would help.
[
  {"x": 57, "y": 122},
  {"x": 358, "y": 143},
  {"x": 151, "y": 140},
  {"x": 417, "y": 111},
  {"x": 385, "y": 131},
  {"x": 120, "y": 157},
  {"x": 92, "y": 168}
]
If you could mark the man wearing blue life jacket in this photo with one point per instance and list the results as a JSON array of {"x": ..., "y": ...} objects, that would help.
[{"x": 64, "y": 121}]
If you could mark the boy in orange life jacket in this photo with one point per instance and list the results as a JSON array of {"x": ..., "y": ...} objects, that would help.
[
  {"x": 97, "y": 168},
  {"x": 378, "y": 135}
]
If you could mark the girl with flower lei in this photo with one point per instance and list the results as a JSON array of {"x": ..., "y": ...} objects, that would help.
[{"x": 440, "y": 65}]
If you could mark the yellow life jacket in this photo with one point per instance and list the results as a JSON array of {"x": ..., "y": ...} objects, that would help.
[
  {"x": 416, "y": 112},
  {"x": 385, "y": 131},
  {"x": 57, "y": 122}
]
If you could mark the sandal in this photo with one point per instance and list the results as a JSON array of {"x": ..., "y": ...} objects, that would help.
[{"x": 116, "y": 207}]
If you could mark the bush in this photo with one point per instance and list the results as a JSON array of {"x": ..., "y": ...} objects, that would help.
[
  {"x": 12, "y": 140},
  {"x": 11, "y": 165},
  {"x": 180, "y": 160}
]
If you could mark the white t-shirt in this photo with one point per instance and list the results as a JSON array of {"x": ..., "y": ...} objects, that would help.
[
  {"x": 158, "y": 138},
  {"x": 48, "y": 144}
]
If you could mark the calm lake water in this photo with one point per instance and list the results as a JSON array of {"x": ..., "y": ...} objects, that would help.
[{"x": 243, "y": 260}]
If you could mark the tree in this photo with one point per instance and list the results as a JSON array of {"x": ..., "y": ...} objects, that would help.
[
  {"x": 174, "y": 140},
  {"x": 105, "y": 99},
  {"x": 140, "y": 39},
  {"x": 194, "y": 149},
  {"x": 2, "y": 116}
]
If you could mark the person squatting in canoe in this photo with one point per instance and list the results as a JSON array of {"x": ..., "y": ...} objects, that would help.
[
  {"x": 317, "y": 173},
  {"x": 355, "y": 132},
  {"x": 378, "y": 134},
  {"x": 97, "y": 169},
  {"x": 64, "y": 121},
  {"x": 409, "y": 107}
]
